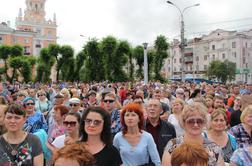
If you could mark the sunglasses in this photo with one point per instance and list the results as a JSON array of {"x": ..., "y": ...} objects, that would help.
[
  {"x": 71, "y": 123},
  {"x": 71, "y": 105},
  {"x": 41, "y": 95},
  {"x": 192, "y": 121},
  {"x": 110, "y": 101},
  {"x": 90, "y": 122},
  {"x": 30, "y": 104}
]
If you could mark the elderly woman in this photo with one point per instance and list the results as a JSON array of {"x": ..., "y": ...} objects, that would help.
[
  {"x": 136, "y": 146},
  {"x": 35, "y": 120},
  {"x": 242, "y": 132},
  {"x": 42, "y": 104},
  {"x": 217, "y": 133},
  {"x": 16, "y": 146},
  {"x": 193, "y": 120},
  {"x": 177, "y": 107}
]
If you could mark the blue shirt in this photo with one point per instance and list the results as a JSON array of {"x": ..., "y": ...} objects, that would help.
[
  {"x": 138, "y": 154},
  {"x": 35, "y": 122}
]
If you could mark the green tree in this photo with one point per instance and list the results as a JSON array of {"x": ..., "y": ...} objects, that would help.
[
  {"x": 54, "y": 51},
  {"x": 5, "y": 52},
  {"x": 80, "y": 58},
  {"x": 94, "y": 67},
  {"x": 138, "y": 54},
  {"x": 161, "y": 46},
  {"x": 222, "y": 70},
  {"x": 108, "y": 49},
  {"x": 151, "y": 56},
  {"x": 66, "y": 62}
]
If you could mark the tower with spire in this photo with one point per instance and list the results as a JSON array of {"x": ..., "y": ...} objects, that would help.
[{"x": 33, "y": 20}]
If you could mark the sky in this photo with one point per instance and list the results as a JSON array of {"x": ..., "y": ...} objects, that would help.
[{"x": 136, "y": 21}]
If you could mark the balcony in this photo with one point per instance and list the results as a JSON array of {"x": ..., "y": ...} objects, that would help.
[{"x": 188, "y": 59}]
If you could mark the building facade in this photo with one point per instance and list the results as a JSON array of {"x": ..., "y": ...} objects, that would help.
[
  {"x": 218, "y": 45},
  {"x": 33, "y": 31}
]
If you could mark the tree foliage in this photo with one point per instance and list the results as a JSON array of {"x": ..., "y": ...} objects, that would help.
[{"x": 222, "y": 70}]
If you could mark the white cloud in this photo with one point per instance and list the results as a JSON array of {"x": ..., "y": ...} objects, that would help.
[{"x": 137, "y": 21}]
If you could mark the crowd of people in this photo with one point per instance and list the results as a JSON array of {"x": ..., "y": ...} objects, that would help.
[{"x": 129, "y": 124}]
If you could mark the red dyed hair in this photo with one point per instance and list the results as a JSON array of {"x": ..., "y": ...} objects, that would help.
[{"x": 132, "y": 107}]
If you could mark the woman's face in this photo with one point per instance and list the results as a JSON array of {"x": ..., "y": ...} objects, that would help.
[
  {"x": 93, "y": 124},
  {"x": 209, "y": 102},
  {"x": 71, "y": 124},
  {"x": 30, "y": 106},
  {"x": 131, "y": 119},
  {"x": 64, "y": 161},
  {"x": 41, "y": 96},
  {"x": 14, "y": 122},
  {"x": 57, "y": 116},
  {"x": 176, "y": 107},
  {"x": 194, "y": 124},
  {"x": 218, "y": 123},
  {"x": 248, "y": 119}
]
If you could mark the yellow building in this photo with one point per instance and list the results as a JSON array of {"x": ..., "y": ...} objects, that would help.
[{"x": 33, "y": 31}]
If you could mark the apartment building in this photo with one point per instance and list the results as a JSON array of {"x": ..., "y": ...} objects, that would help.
[{"x": 218, "y": 45}]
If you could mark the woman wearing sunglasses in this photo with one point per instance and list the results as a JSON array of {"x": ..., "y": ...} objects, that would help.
[
  {"x": 136, "y": 146},
  {"x": 16, "y": 146},
  {"x": 193, "y": 120},
  {"x": 42, "y": 104},
  {"x": 71, "y": 124},
  {"x": 96, "y": 135}
]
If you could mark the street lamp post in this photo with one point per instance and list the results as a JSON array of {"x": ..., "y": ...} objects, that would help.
[
  {"x": 182, "y": 35},
  {"x": 145, "y": 64}
]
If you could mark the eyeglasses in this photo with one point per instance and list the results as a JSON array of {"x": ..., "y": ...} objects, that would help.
[
  {"x": 30, "y": 104},
  {"x": 110, "y": 101},
  {"x": 192, "y": 121},
  {"x": 71, "y": 105},
  {"x": 71, "y": 123},
  {"x": 90, "y": 122},
  {"x": 41, "y": 95},
  {"x": 21, "y": 95}
]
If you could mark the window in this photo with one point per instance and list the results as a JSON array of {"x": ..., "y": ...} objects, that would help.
[
  {"x": 233, "y": 44},
  {"x": 205, "y": 67},
  {"x": 197, "y": 58},
  {"x": 38, "y": 30},
  {"x": 14, "y": 40},
  {"x": 246, "y": 45},
  {"x": 38, "y": 44},
  {"x": 169, "y": 69},
  {"x": 1, "y": 40},
  {"x": 197, "y": 67},
  {"x": 243, "y": 60},
  {"x": 234, "y": 54},
  {"x": 174, "y": 60},
  {"x": 180, "y": 60},
  {"x": 213, "y": 47},
  {"x": 223, "y": 56},
  {"x": 213, "y": 57},
  {"x": 27, "y": 50},
  {"x": 174, "y": 69},
  {"x": 191, "y": 68},
  {"x": 205, "y": 57},
  {"x": 180, "y": 69},
  {"x": 26, "y": 41},
  {"x": 169, "y": 61}
]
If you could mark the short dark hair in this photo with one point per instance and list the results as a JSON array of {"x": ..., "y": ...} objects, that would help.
[
  {"x": 106, "y": 135},
  {"x": 15, "y": 109}
]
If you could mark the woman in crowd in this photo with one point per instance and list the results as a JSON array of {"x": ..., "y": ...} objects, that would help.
[
  {"x": 193, "y": 120},
  {"x": 72, "y": 125},
  {"x": 42, "y": 104},
  {"x": 177, "y": 107},
  {"x": 242, "y": 157},
  {"x": 189, "y": 154},
  {"x": 35, "y": 120},
  {"x": 209, "y": 103},
  {"x": 196, "y": 94},
  {"x": 16, "y": 146},
  {"x": 217, "y": 133},
  {"x": 96, "y": 135},
  {"x": 58, "y": 129},
  {"x": 136, "y": 146},
  {"x": 3, "y": 108},
  {"x": 243, "y": 132},
  {"x": 74, "y": 155},
  {"x": 65, "y": 92}
]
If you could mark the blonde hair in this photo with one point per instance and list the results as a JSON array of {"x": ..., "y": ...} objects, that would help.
[
  {"x": 192, "y": 109},
  {"x": 180, "y": 101},
  {"x": 245, "y": 112}
]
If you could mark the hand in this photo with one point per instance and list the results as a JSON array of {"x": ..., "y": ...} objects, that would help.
[{"x": 68, "y": 140}]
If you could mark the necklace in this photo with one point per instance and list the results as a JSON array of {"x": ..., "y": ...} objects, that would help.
[{"x": 14, "y": 151}]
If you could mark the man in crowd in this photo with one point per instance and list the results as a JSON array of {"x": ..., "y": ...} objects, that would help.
[
  {"x": 165, "y": 110},
  {"x": 162, "y": 131}
]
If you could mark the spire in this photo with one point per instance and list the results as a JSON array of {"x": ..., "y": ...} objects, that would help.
[
  {"x": 20, "y": 14},
  {"x": 54, "y": 18}
]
